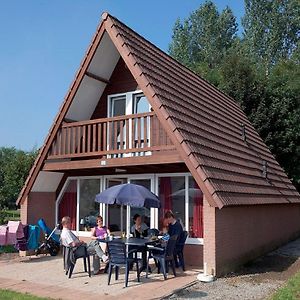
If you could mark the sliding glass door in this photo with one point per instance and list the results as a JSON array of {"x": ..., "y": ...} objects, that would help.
[
  {"x": 116, "y": 214},
  {"x": 142, "y": 211},
  {"x": 120, "y": 218}
]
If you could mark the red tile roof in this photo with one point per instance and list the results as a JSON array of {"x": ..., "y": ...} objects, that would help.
[
  {"x": 203, "y": 123},
  {"x": 208, "y": 125}
]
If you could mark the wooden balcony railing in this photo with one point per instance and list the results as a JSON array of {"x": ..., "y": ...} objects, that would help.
[{"x": 122, "y": 136}]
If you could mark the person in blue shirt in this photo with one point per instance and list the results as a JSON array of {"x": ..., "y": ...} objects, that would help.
[{"x": 175, "y": 227}]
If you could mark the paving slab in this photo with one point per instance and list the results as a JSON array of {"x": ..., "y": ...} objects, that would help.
[{"x": 44, "y": 276}]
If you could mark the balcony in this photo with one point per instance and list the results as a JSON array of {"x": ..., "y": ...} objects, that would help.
[{"x": 116, "y": 137}]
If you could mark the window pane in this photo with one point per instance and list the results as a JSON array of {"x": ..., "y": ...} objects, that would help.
[
  {"x": 141, "y": 104},
  {"x": 68, "y": 203},
  {"x": 118, "y": 106},
  {"x": 172, "y": 197},
  {"x": 88, "y": 208},
  {"x": 195, "y": 209}
]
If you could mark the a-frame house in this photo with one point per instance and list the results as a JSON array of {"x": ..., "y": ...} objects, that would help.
[{"x": 134, "y": 114}]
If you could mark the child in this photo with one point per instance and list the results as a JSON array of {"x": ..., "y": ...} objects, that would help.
[{"x": 165, "y": 230}]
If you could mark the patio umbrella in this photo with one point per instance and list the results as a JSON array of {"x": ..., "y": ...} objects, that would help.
[
  {"x": 193, "y": 192},
  {"x": 128, "y": 194}
]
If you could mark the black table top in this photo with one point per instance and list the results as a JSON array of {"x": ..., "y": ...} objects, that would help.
[
  {"x": 130, "y": 241},
  {"x": 137, "y": 241}
]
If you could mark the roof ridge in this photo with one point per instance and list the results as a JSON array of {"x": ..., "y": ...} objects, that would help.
[
  {"x": 194, "y": 74},
  {"x": 167, "y": 111}
]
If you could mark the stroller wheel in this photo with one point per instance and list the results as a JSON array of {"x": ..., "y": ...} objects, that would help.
[{"x": 54, "y": 250}]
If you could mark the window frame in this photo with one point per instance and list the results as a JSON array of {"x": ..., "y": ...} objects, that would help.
[
  {"x": 130, "y": 101},
  {"x": 154, "y": 188}
]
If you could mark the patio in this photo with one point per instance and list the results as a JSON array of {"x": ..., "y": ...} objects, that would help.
[{"x": 44, "y": 276}]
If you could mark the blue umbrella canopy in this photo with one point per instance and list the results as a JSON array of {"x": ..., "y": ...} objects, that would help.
[{"x": 128, "y": 194}]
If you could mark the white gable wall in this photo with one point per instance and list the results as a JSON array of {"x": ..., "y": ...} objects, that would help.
[
  {"x": 105, "y": 58},
  {"x": 90, "y": 90},
  {"x": 47, "y": 181},
  {"x": 86, "y": 99}
]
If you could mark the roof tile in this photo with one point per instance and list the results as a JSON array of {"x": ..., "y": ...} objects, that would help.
[{"x": 208, "y": 124}]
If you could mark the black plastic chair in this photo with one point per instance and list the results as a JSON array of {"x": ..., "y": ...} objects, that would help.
[
  {"x": 118, "y": 257},
  {"x": 70, "y": 256},
  {"x": 179, "y": 250},
  {"x": 164, "y": 256}
]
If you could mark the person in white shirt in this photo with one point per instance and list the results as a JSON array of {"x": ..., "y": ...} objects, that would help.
[{"x": 68, "y": 238}]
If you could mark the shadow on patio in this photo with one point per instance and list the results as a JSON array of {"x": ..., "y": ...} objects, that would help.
[{"x": 44, "y": 276}]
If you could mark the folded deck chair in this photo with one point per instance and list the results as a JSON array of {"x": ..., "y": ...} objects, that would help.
[
  {"x": 15, "y": 231},
  {"x": 3, "y": 235}
]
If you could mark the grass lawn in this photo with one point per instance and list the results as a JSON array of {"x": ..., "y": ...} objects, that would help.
[
  {"x": 10, "y": 295},
  {"x": 291, "y": 291}
]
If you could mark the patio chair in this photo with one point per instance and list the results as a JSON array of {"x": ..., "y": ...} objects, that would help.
[
  {"x": 70, "y": 256},
  {"x": 118, "y": 257},
  {"x": 164, "y": 256},
  {"x": 179, "y": 250}
]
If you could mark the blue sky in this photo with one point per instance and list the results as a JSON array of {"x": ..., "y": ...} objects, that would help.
[{"x": 42, "y": 44}]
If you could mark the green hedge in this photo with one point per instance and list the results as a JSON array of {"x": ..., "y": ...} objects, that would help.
[{"x": 9, "y": 215}]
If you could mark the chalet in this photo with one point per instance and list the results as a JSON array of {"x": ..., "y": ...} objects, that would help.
[{"x": 134, "y": 114}]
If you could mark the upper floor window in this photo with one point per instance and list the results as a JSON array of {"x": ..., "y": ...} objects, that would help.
[{"x": 127, "y": 104}]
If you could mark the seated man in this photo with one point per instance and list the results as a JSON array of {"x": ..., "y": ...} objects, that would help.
[
  {"x": 69, "y": 239},
  {"x": 139, "y": 229}
]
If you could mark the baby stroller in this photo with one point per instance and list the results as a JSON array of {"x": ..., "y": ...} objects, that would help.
[{"x": 51, "y": 243}]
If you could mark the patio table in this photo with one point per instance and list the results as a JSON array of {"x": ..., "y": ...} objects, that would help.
[
  {"x": 140, "y": 242},
  {"x": 133, "y": 242},
  {"x": 130, "y": 241}
]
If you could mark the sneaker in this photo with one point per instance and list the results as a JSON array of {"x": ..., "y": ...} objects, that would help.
[
  {"x": 101, "y": 271},
  {"x": 104, "y": 258}
]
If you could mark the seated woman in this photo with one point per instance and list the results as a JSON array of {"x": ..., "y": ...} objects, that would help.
[
  {"x": 139, "y": 229},
  {"x": 99, "y": 232}
]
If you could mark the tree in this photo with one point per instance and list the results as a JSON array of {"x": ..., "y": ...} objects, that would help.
[
  {"x": 260, "y": 70},
  {"x": 179, "y": 48},
  {"x": 271, "y": 30},
  {"x": 201, "y": 41},
  {"x": 278, "y": 117},
  {"x": 14, "y": 168}
]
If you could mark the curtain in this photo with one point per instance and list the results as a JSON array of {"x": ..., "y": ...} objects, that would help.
[
  {"x": 165, "y": 195},
  {"x": 68, "y": 204},
  {"x": 197, "y": 212}
]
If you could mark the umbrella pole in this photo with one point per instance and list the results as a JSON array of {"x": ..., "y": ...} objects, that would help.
[{"x": 122, "y": 211}]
